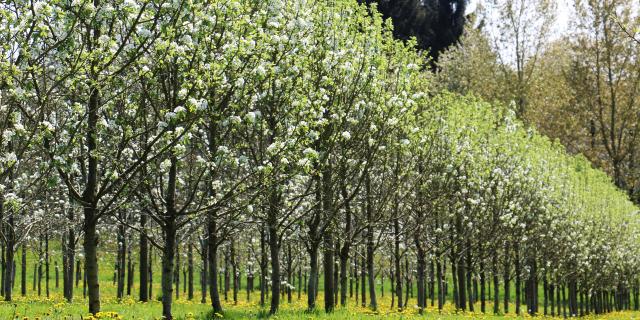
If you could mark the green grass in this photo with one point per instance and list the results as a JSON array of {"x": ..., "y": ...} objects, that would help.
[{"x": 40, "y": 307}]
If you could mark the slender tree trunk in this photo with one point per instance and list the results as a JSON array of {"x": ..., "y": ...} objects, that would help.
[
  {"x": 393, "y": 288},
  {"x": 462, "y": 289},
  {"x": 346, "y": 247},
  {"x": 356, "y": 272},
  {"x": 234, "y": 272},
  {"x": 144, "y": 260},
  {"x": 420, "y": 266},
  {"x": 190, "y": 269},
  {"x": 168, "y": 256},
  {"x": 35, "y": 275},
  {"x": 328, "y": 247},
  {"x": 496, "y": 283},
  {"x": 89, "y": 194},
  {"x": 507, "y": 267},
  {"x": 516, "y": 262},
  {"x": 336, "y": 272},
  {"x": 564, "y": 302},
  {"x": 91, "y": 259},
  {"x": 408, "y": 285},
  {"x": 150, "y": 273},
  {"x": 552, "y": 298},
  {"x": 84, "y": 285},
  {"x": 10, "y": 251},
  {"x": 121, "y": 259},
  {"x": 226, "y": 275},
  {"x": 363, "y": 284},
  {"x": 263, "y": 266},
  {"x": 274, "y": 249},
  {"x": 204, "y": 280},
  {"x": 46, "y": 264},
  {"x": 290, "y": 278},
  {"x": 396, "y": 261},
  {"x": 23, "y": 278},
  {"x": 176, "y": 272},
  {"x": 469, "y": 279},
  {"x": 130, "y": 267},
  {"x": 70, "y": 248},
  {"x": 432, "y": 275},
  {"x": 370, "y": 272},
  {"x": 483, "y": 276},
  {"x": 439, "y": 275},
  {"x": 533, "y": 286},
  {"x": 460, "y": 266},
  {"x": 212, "y": 243},
  {"x": 79, "y": 273},
  {"x": 373, "y": 303},
  {"x": 545, "y": 289}
]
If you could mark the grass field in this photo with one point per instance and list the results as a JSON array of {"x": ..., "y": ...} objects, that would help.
[{"x": 55, "y": 307}]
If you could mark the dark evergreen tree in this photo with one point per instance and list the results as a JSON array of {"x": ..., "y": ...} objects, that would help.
[{"x": 436, "y": 24}]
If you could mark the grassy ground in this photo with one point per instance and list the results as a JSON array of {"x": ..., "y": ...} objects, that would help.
[
  {"x": 35, "y": 306},
  {"x": 32, "y": 307}
]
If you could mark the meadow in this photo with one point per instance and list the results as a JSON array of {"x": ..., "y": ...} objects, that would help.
[{"x": 55, "y": 307}]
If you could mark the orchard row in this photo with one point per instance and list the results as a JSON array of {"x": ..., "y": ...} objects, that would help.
[{"x": 302, "y": 134}]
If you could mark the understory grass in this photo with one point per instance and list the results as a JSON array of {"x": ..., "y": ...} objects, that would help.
[
  {"x": 54, "y": 308},
  {"x": 39, "y": 307}
]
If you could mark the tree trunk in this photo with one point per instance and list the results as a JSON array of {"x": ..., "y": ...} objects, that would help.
[
  {"x": 396, "y": 261},
  {"x": 89, "y": 195},
  {"x": 274, "y": 249},
  {"x": 363, "y": 284},
  {"x": 91, "y": 259},
  {"x": 432, "y": 275},
  {"x": 212, "y": 243},
  {"x": 23, "y": 277},
  {"x": 234, "y": 272},
  {"x": 516, "y": 262},
  {"x": 290, "y": 278},
  {"x": 130, "y": 267},
  {"x": 168, "y": 255},
  {"x": 506, "y": 278},
  {"x": 46, "y": 264},
  {"x": 462, "y": 288},
  {"x": 144, "y": 260},
  {"x": 150, "y": 273},
  {"x": 263, "y": 266},
  {"x": 70, "y": 248},
  {"x": 346, "y": 246},
  {"x": 439, "y": 275},
  {"x": 483, "y": 297},
  {"x": 204, "y": 280},
  {"x": 190, "y": 269},
  {"x": 10, "y": 251},
  {"x": 226, "y": 275},
  {"x": 420, "y": 266},
  {"x": 176, "y": 273},
  {"x": 121, "y": 259},
  {"x": 328, "y": 253},
  {"x": 79, "y": 273},
  {"x": 373, "y": 303},
  {"x": 355, "y": 272},
  {"x": 370, "y": 272},
  {"x": 469, "y": 272},
  {"x": 496, "y": 283}
]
